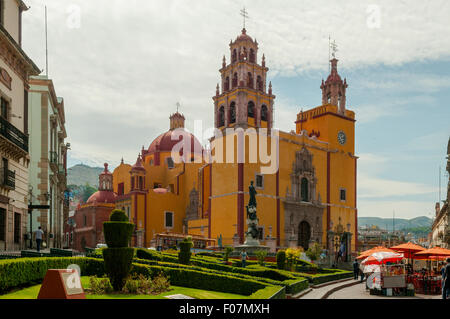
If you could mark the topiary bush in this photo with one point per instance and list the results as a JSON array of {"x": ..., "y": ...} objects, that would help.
[
  {"x": 281, "y": 259},
  {"x": 118, "y": 215},
  {"x": 118, "y": 256},
  {"x": 184, "y": 255}
]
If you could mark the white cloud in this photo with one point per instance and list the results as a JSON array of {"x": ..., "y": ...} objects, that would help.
[
  {"x": 401, "y": 209},
  {"x": 374, "y": 187},
  {"x": 124, "y": 69}
]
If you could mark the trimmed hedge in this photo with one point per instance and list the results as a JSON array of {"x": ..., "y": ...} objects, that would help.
[
  {"x": 29, "y": 271},
  {"x": 293, "y": 286},
  {"x": 202, "y": 280}
]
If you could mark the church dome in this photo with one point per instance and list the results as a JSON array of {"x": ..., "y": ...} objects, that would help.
[
  {"x": 102, "y": 197},
  {"x": 244, "y": 36},
  {"x": 165, "y": 143}
]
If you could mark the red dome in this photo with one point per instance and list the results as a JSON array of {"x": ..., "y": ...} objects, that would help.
[
  {"x": 165, "y": 143},
  {"x": 244, "y": 36},
  {"x": 102, "y": 197}
]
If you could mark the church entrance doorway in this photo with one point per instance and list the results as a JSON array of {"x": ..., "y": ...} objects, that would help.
[{"x": 304, "y": 234}]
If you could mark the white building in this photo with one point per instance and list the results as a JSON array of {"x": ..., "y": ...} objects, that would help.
[{"x": 15, "y": 69}]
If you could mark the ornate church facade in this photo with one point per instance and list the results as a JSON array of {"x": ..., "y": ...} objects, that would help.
[{"x": 310, "y": 197}]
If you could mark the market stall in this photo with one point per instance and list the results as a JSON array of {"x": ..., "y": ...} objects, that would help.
[
  {"x": 387, "y": 273},
  {"x": 428, "y": 280}
]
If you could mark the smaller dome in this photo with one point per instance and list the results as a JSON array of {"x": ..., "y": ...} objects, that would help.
[
  {"x": 102, "y": 197},
  {"x": 244, "y": 36}
]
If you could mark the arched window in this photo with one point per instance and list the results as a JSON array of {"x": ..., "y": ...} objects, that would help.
[
  {"x": 263, "y": 113},
  {"x": 221, "y": 117},
  {"x": 234, "y": 56},
  {"x": 251, "y": 109},
  {"x": 250, "y": 80},
  {"x": 232, "y": 112},
  {"x": 329, "y": 98},
  {"x": 227, "y": 83},
  {"x": 259, "y": 83},
  {"x": 304, "y": 190},
  {"x": 235, "y": 80},
  {"x": 252, "y": 56},
  {"x": 339, "y": 99}
]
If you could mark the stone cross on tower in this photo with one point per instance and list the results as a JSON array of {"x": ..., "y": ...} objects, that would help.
[
  {"x": 244, "y": 14},
  {"x": 334, "y": 49}
]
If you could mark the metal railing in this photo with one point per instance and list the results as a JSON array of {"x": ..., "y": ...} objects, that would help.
[
  {"x": 13, "y": 134},
  {"x": 53, "y": 157},
  {"x": 8, "y": 178}
]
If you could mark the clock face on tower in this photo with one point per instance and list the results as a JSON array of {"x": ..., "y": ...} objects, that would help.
[{"x": 342, "y": 138}]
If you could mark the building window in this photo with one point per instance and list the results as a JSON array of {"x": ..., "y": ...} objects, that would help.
[
  {"x": 251, "y": 109},
  {"x": 171, "y": 188},
  {"x": 264, "y": 113},
  {"x": 304, "y": 189},
  {"x": 170, "y": 163},
  {"x": 128, "y": 212},
  {"x": 4, "y": 108},
  {"x": 168, "y": 219},
  {"x": 342, "y": 194},
  {"x": 151, "y": 162},
  {"x": 120, "y": 189},
  {"x": 2, "y": 224},
  {"x": 156, "y": 185},
  {"x": 85, "y": 220},
  {"x": 259, "y": 181},
  {"x": 17, "y": 228}
]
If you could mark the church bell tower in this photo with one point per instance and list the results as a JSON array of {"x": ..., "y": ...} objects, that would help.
[{"x": 244, "y": 99}]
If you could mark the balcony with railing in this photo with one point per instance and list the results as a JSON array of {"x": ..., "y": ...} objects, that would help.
[
  {"x": 53, "y": 160},
  {"x": 13, "y": 134},
  {"x": 7, "y": 178}
]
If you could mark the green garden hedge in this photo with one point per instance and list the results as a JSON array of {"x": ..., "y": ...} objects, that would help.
[
  {"x": 204, "y": 280},
  {"x": 22, "y": 272}
]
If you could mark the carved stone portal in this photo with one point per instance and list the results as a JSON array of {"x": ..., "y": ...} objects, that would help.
[{"x": 303, "y": 211}]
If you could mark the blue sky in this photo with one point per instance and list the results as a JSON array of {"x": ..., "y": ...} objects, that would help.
[
  {"x": 122, "y": 66},
  {"x": 402, "y": 130}
]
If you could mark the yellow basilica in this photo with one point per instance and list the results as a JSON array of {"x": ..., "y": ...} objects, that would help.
[{"x": 306, "y": 182}]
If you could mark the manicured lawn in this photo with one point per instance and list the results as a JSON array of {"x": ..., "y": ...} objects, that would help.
[{"x": 33, "y": 291}]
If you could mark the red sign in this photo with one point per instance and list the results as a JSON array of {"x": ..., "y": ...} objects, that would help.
[{"x": 61, "y": 284}]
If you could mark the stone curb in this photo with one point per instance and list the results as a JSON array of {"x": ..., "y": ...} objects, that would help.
[
  {"x": 330, "y": 283},
  {"x": 328, "y": 293},
  {"x": 300, "y": 294}
]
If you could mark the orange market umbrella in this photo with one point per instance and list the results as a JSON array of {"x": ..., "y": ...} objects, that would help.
[
  {"x": 408, "y": 249},
  {"x": 432, "y": 252},
  {"x": 369, "y": 252}
]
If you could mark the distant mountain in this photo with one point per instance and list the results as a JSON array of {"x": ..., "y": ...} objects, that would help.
[
  {"x": 81, "y": 174},
  {"x": 400, "y": 223}
]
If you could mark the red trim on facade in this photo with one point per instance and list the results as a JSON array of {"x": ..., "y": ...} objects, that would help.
[
  {"x": 203, "y": 193},
  {"x": 209, "y": 201},
  {"x": 135, "y": 217},
  {"x": 145, "y": 221},
  {"x": 356, "y": 210},
  {"x": 278, "y": 206},
  {"x": 328, "y": 196},
  {"x": 240, "y": 202}
]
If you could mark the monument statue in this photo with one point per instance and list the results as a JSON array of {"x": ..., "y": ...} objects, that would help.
[{"x": 252, "y": 220}]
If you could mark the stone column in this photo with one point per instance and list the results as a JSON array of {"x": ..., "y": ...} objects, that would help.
[{"x": 271, "y": 242}]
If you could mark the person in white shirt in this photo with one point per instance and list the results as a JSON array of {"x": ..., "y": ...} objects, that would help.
[{"x": 39, "y": 233}]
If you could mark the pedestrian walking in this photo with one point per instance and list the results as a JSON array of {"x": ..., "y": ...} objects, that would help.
[
  {"x": 355, "y": 269},
  {"x": 38, "y": 234},
  {"x": 361, "y": 273},
  {"x": 243, "y": 257},
  {"x": 446, "y": 280}
]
